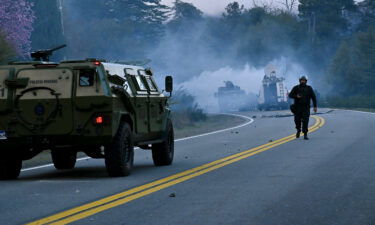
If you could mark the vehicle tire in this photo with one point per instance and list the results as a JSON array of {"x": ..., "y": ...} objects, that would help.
[
  {"x": 10, "y": 168},
  {"x": 64, "y": 158},
  {"x": 162, "y": 153},
  {"x": 119, "y": 155}
]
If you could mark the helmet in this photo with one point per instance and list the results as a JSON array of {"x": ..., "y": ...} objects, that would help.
[{"x": 303, "y": 78}]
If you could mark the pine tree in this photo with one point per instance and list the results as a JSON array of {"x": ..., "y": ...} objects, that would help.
[
  {"x": 186, "y": 11},
  {"x": 48, "y": 26},
  {"x": 114, "y": 29},
  {"x": 352, "y": 71},
  {"x": 184, "y": 17},
  {"x": 147, "y": 15},
  {"x": 367, "y": 8}
]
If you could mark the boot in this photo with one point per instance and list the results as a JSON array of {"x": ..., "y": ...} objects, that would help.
[
  {"x": 305, "y": 137},
  {"x": 298, "y": 134}
]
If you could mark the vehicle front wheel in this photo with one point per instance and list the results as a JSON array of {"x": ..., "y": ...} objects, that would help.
[
  {"x": 119, "y": 155},
  {"x": 10, "y": 168},
  {"x": 64, "y": 158},
  {"x": 162, "y": 153}
]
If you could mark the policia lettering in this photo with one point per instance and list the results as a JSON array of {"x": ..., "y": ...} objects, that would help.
[{"x": 302, "y": 95}]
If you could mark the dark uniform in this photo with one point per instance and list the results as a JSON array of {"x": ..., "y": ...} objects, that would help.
[{"x": 302, "y": 105}]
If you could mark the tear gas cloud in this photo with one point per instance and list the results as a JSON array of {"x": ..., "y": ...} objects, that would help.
[
  {"x": 247, "y": 77},
  {"x": 200, "y": 71},
  {"x": 199, "y": 61}
]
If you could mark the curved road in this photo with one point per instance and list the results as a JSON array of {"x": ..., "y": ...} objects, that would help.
[{"x": 253, "y": 174}]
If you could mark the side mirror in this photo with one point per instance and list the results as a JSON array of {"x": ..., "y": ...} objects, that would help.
[{"x": 169, "y": 84}]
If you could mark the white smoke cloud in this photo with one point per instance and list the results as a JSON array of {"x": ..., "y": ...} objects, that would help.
[{"x": 204, "y": 86}]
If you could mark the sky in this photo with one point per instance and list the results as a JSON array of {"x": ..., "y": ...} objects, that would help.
[{"x": 215, "y": 7}]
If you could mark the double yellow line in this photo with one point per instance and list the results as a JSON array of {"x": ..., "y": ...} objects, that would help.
[{"x": 98, "y": 206}]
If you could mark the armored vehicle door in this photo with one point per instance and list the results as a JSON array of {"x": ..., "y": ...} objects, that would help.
[
  {"x": 157, "y": 105},
  {"x": 141, "y": 100},
  {"x": 44, "y": 104}
]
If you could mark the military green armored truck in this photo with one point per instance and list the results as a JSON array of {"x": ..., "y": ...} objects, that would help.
[{"x": 100, "y": 108}]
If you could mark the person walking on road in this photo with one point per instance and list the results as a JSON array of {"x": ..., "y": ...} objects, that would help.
[{"x": 302, "y": 95}]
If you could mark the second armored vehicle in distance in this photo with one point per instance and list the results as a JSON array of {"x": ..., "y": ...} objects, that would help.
[{"x": 232, "y": 98}]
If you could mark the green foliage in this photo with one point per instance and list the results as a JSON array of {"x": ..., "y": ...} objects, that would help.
[
  {"x": 48, "y": 27},
  {"x": 352, "y": 71},
  {"x": 185, "y": 110},
  {"x": 185, "y": 14},
  {"x": 325, "y": 25},
  {"x": 233, "y": 11},
  {"x": 186, "y": 11},
  {"x": 259, "y": 35},
  {"x": 367, "y": 7},
  {"x": 354, "y": 102},
  {"x": 113, "y": 29}
]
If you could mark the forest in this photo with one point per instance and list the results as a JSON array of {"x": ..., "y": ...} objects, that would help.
[{"x": 334, "y": 41}]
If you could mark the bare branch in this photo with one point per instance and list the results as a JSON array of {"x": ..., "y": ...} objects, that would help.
[
  {"x": 289, "y": 4},
  {"x": 267, "y": 5}
]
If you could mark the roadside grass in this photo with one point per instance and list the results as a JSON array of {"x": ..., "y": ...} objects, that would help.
[
  {"x": 182, "y": 129},
  {"x": 364, "y": 109},
  {"x": 211, "y": 123},
  {"x": 357, "y": 109}
]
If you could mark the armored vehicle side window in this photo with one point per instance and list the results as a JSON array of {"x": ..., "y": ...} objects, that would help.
[
  {"x": 86, "y": 77},
  {"x": 141, "y": 85},
  {"x": 151, "y": 84}
]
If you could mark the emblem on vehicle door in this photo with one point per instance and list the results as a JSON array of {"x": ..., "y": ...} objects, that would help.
[{"x": 39, "y": 109}]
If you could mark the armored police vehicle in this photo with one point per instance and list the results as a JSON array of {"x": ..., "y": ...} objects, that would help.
[
  {"x": 232, "y": 98},
  {"x": 103, "y": 109}
]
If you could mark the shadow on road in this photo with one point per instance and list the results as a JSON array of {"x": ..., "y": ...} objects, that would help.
[{"x": 84, "y": 173}]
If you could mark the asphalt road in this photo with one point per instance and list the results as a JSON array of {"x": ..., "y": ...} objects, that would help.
[{"x": 221, "y": 178}]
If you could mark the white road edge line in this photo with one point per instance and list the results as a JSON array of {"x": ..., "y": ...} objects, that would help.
[{"x": 250, "y": 120}]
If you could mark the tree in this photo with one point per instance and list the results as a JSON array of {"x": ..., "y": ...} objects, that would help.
[
  {"x": 233, "y": 11},
  {"x": 16, "y": 19},
  {"x": 367, "y": 9},
  {"x": 289, "y": 5},
  {"x": 6, "y": 50},
  {"x": 115, "y": 28},
  {"x": 325, "y": 19},
  {"x": 352, "y": 71},
  {"x": 185, "y": 11},
  {"x": 184, "y": 15},
  {"x": 48, "y": 26}
]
